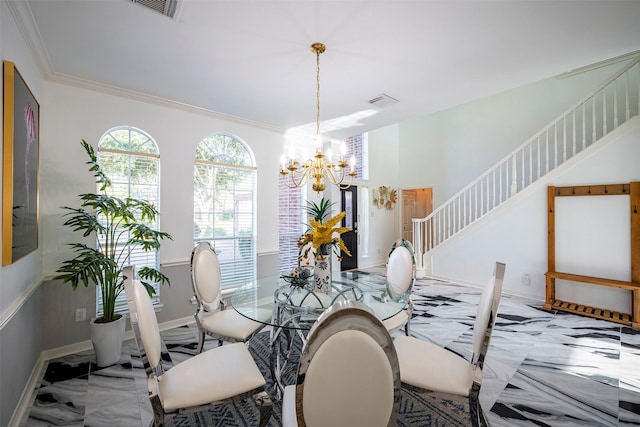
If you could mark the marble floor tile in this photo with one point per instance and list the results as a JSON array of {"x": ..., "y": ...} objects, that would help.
[{"x": 543, "y": 368}]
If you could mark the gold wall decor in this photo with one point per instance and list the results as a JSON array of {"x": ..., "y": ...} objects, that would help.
[{"x": 384, "y": 197}]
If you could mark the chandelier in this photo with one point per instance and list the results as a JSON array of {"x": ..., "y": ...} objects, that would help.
[{"x": 296, "y": 174}]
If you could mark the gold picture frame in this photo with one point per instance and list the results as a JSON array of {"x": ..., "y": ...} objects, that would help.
[{"x": 20, "y": 173}]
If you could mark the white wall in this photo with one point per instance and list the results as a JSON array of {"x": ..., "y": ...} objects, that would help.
[
  {"x": 449, "y": 149},
  {"x": 81, "y": 113},
  {"x": 384, "y": 167},
  {"x": 20, "y": 343},
  {"x": 517, "y": 233},
  {"x": 18, "y": 277}
]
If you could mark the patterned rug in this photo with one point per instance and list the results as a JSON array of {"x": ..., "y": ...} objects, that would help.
[{"x": 415, "y": 409}]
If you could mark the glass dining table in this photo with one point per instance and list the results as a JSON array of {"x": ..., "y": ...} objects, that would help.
[{"x": 295, "y": 309}]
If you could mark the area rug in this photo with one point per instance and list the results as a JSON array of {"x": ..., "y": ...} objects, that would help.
[{"x": 415, "y": 409}]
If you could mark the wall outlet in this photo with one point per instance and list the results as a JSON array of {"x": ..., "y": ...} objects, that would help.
[
  {"x": 526, "y": 279},
  {"x": 81, "y": 314}
]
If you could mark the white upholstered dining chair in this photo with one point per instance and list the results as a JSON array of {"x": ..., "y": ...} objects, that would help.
[
  {"x": 431, "y": 369},
  {"x": 212, "y": 316},
  {"x": 219, "y": 375},
  {"x": 401, "y": 276},
  {"x": 348, "y": 373}
]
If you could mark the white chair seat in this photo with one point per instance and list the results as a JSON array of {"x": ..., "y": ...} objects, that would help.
[
  {"x": 396, "y": 321},
  {"x": 222, "y": 374},
  {"x": 191, "y": 383},
  {"x": 428, "y": 366},
  {"x": 211, "y": 317},
  {"x": 388, "y": 311},
  {"x": 230, "y": 323}
]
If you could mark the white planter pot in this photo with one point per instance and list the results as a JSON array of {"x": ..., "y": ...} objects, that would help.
[{"x": 107, "y": 341}]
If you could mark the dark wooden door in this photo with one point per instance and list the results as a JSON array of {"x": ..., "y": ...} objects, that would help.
[{"x": 349, "y": 200}]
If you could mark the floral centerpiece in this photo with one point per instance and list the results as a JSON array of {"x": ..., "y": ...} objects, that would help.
[{"x": 323, "y": 237}]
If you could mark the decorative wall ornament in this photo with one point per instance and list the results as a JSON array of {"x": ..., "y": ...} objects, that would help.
[{"x": 384, "y": 197}]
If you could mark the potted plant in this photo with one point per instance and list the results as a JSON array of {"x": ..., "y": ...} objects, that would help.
[
  {"x": 118, "y": 226},
  {"x": 322, "y": 237}
]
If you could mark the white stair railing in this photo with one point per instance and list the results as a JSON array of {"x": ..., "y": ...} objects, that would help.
[{"x": 616, "y": 101}]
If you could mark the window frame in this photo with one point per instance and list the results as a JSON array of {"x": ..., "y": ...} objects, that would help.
[
  {"x": 121, "y": 302},
  {"x": 234, "y": 268}
]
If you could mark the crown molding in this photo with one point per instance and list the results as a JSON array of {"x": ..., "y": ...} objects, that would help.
[
  {"x": 23, "y": 17},
  {"x": 152, "y": 99}
]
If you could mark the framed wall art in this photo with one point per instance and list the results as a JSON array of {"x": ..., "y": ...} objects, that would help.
[{"x": 20, "y": 180}]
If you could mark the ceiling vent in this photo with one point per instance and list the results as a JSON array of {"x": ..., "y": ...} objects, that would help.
[
  {"x": 382, "y": 101},
  {"x": 165, "y": 7}
]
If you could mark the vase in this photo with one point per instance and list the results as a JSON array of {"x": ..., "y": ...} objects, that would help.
[
  {"x": 322, "y": 270},
  {"x": 107, "y": 341}
]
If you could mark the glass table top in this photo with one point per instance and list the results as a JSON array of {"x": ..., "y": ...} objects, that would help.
[{"x": 298, "y": 307}]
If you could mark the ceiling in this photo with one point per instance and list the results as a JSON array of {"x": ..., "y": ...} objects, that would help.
[{"x": 251, "y": 59}]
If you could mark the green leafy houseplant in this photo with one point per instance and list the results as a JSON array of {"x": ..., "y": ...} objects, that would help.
[
  {"x": 318, "y": 211},
  {"x": 119, "y": 226}
]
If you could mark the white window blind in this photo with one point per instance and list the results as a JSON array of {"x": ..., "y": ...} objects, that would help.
[
  {"x": 290, "y": 225},
  {"x": 224, "y": 205},
  {"x": 130, "y": 159},
  {"x": 358, "y": 146}
]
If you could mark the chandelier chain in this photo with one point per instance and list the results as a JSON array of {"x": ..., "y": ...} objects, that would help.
[
  {"x": 320, "y": 166},
  {"x": 318, "y": 93}
]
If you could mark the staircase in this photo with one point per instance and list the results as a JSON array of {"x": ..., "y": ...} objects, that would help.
[{"x": 612, "y": 104}]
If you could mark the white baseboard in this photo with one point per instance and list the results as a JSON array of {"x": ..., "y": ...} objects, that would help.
[{"x": 28, "y": 392}]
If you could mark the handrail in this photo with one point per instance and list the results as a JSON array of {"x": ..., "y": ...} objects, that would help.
[{"x": 577, "y": 128}]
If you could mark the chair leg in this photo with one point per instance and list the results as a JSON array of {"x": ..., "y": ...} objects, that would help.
[
  {"x": 266, "y": 407},
  {"x": 475, "y": 410},
  {"x": 201, "y": 337},
  {"x": 158, "y": 411}
]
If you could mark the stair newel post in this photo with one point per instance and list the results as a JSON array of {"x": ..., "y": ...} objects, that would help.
[
  {"x": 634, "y": 206},
  {"x": 551, "y": 248}
]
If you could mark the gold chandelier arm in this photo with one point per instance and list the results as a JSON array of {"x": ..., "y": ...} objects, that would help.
[{"x": 302, "y": 174}]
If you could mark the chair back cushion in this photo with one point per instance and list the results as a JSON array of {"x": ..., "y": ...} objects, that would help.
[
  {"x": 487, "y": 311},
  {"x": 206, "y": 276},
  {"x": 147, "y": 324},
  {"x": 400, "y": 271},
  {"x": 348, "y": 373},
  {"x": 483, "y": 316},
  {"x": 349, "y": 382}
]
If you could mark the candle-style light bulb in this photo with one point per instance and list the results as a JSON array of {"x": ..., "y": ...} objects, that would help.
[
  {"x": 343, "y": 150},
  {"x": 353, "y": 163}
]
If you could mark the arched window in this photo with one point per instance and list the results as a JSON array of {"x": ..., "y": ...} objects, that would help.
[
  {"x": 131, "y": 160},
  {"x": 224, "y": 205}
]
